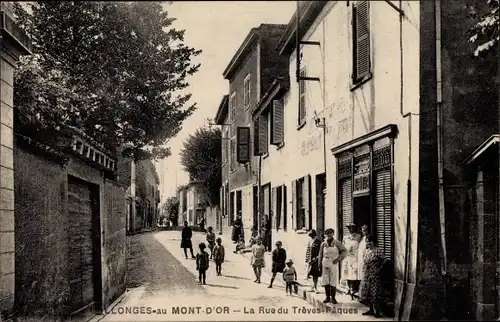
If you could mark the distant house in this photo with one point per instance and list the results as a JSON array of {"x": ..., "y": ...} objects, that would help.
[{"x": 191, "y": 206}]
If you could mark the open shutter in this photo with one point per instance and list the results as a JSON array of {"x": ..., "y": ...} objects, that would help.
[
  {"x": 362, "y": 39},
  {"x": 345, "y": 204},
  {"x": 303, "y": 94},
  {"x": 306, "y": 199},
  {"x": 294, "y": 204},
  {"x": 274, "y": 210},
  {"x": 243, "y": 144},
  {"x": 383, "y": 213},
  {"x": 277, "y": 124},
  {"x": 285, "y": 208},
  {"x": 263, "y": 129},
  {"x": 256, "y": 147}
]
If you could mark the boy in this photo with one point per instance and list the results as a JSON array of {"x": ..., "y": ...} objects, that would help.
[
  {"x": 290, "y": 276},
  {"x": 279, "y": 258},
  {"x": 219, "y": 254},
  {"x": 211, "y": 241},
  {"x": 202, "y": 264}
]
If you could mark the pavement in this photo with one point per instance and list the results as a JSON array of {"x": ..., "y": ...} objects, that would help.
[{"x": 163, "y": 286}]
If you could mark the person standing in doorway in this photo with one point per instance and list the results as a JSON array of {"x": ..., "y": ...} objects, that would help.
[
  {"x": 331, "y": 253},
  {"x": 361, "y": 253},
  {"x": 186, "y": 235},
  {"x": 350, "y": 264},
  {"x": 312, "y": 253}
]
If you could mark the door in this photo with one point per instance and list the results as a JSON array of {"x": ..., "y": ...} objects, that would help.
[
  {"x": 362, "y": 212},
  {"x": 320, "y": 203},
  {"x": 84, "y": 246}
]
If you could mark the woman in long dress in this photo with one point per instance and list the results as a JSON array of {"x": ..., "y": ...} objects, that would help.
[
  {"x": 372, "y": 291},
  {"x": 350, "y": 264},
  {"x": 258, "y": 251},
  {"x": 361, "y": 253}
]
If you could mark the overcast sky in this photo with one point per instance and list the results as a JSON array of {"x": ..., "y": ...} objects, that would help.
[{"x": 217, "y": 28}]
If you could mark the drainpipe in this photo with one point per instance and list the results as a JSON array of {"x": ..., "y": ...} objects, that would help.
[
  {"x": 297, "y": 46},
  {"x": 439, "y": 99},
  {"x": 260, "y": 197}
]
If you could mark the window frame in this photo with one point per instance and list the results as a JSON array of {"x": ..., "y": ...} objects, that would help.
[{"x": 247, "y": 92}]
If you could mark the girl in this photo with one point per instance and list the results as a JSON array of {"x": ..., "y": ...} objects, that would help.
[
  {"x": 258, "y": 251},
  {"x": 202, "y": 264},
  {"x": 219, "y": 254},
  {"x": 279, "y": 258},
  {"x": 211, "y": 240},
  {"x": 290, "y": 276}
]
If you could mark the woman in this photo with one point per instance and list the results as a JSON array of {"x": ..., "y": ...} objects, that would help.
[
  {"x": 258, "y": 251},
  {"x": 186, "y": 235},
  {"x": 350, "y": 264},
  {"x": 237, "y": 229},
  {"x": 371, "y": 285},
  {"x": 312, "y": 253},
  {"x": 361, "y": 252},
  {"x": 330, "y": 254}
]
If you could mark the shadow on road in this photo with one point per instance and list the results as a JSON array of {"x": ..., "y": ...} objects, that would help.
[
  {"x": 237, "y": 277},
  {"x": 222, "y": 286}
]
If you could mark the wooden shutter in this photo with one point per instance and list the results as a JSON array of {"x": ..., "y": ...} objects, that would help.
[
  {"x": 302, "y": 94},
  {"x": 256, "y": 147},
  {"x": 285, "y": 207},
  {"x": 306, "y": 200},
  {"x": 345, "y": 204},
  {"x": 277, "y": 124},
  {"x": 233, "y": 161},
  {"x": 383, "y": 211},
  {"x": 274, "y": 210},
  {"x": 294, "y": 204},
  {"x": 243, "y": 144},
  {"x": 362, "y": 39},
  {"x": 263, "y": 129}
]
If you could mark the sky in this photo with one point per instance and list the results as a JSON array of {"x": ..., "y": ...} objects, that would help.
[{"x": 217, "y": 28}]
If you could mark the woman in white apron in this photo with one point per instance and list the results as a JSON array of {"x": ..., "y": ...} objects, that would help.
[
  {"x": 361, "y": 252},
  {"x": 350, "y": 264},
  {"x": 331, "y": 253}
]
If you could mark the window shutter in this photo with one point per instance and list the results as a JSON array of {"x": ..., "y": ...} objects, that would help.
[
  {"x": 383, "y": 213},
  {"x": 345, "y": 205},
  {"x": 294, "y": 204},
  {"x": 306, "y": 199},
  {"x": 277, "y": 114},
  {"x": 362, "y": 25},
  {"x": 263, "y": 129},
  {"x": 285, "y": 208},
  {"x": 302, "y": 92},
  {"x": 243, "y": 147},
  {"x": 256, "y": 150},
  {"x": 274, "y": 210},
  {"x": 232, "y": 154}
]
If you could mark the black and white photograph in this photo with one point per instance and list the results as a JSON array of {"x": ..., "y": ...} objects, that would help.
[{"x": 250, "y": 160}]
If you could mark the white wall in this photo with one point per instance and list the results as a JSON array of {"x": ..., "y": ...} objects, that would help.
[{"x": 350, "y": 114}]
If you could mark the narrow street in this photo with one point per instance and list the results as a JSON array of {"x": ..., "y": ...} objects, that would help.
[{"x": 163, "y": 286}]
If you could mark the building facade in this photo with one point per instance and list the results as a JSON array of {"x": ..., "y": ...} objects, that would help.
[
  {"x": 191, "y": 206},
  {"x": 250, "y": 73},
  {"x": 372, "y": 127}
]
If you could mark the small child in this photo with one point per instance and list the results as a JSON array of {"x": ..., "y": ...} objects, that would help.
[
  {"x": 240, "y": 245},
  {"x": 202, "y": 264},
  {"x": 219, "y": 254},
  {"x": 211, "y": 240},
  {"x": 290, "y": 276}
]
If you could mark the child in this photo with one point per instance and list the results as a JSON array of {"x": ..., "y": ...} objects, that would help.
[
  {"x": 211, "y": 240},
  {"x": 279, "y": 258},
  {"x": 258, "y": 261},
  {"x": 290, "y": 276},
  {"x": 219, "y": 254},
  {"x": 240, "y": 245},
  {"x": 202, "y": 264}
]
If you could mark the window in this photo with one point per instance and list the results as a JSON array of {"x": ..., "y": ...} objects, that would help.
[
  {"x": 261, "y": 129},
  {"x": 233, "y": 153},
  {"x": 247, "y": 91},
  {"x": 277, "y": 128},
  {"x": 243, "y": 144},
  {"x": 301, "y": 203},
  {"x": 301, "y": 215},
  {"x": 302, "y": 96},
  {"x": 361, "y": 41}
]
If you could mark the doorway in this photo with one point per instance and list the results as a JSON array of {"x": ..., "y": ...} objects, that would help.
[
  {"x": 362, "y": 212},
  {"x": 320, "y": 203}
]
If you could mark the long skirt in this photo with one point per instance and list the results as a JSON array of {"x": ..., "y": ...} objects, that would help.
[{"x": 186, "y": 243}]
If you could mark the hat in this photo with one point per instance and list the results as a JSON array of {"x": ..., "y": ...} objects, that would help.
[
  {"x": 312, "y": 232},
  {"x": 289, "y": 261},
  {"x": 351, "y": 225},
  {"x": 329, "y": 231}
]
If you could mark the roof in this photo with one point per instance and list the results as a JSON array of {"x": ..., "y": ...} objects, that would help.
[
  {"x": 222, "y": 110},
  {"x": 309, "y": 11},
  {"x": 278, "y": 87},
  {"x": 246, "y": 47},
  {"x": 486, "y": 145}
]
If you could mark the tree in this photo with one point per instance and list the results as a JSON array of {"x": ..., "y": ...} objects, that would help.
[
  {"x": 171, "y": 209},
  {"x": 116, "y": 70},
  {"x": 485, "y": 32},
  {"x": 201, "y": 158}
]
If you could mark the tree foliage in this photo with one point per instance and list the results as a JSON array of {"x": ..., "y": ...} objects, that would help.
[
  {"x": 117, "y": 70},
  {"x": 485, "y": 32},
  {"x": 171, "y": 207},
  {"x": 201, "y": 158}
]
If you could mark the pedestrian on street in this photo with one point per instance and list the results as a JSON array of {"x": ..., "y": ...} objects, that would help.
[
  {"x": 186, "y": 235},
  {"x": 313, "y": 265},
  {"x": 202, "y": 225},
  {"x": 219, "y": 254},
  {"x": 350, "y": 264},
  {"x": 211, "y": 241},
  {"x": 202, "y": 264},
  {"x": 258, "y": 261},
  {"x": 290, "y": 276},
  {"x": 330, "y": 254},
  {"x": 279, "y": 259}
]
